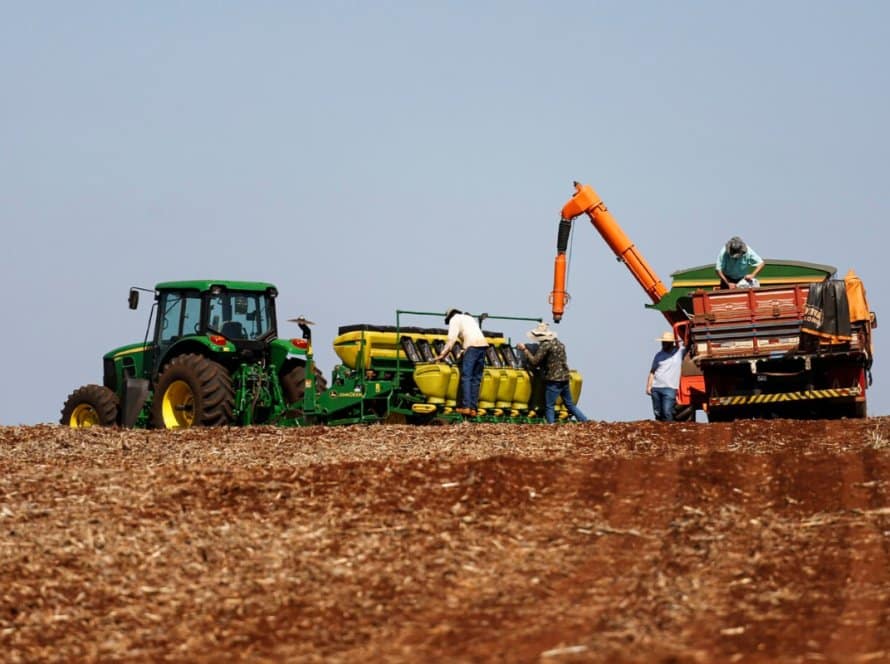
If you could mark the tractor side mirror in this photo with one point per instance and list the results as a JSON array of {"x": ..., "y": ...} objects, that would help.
[{"x": 133, "y": 300}]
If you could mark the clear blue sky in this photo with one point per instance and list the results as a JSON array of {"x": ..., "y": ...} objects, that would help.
[{"x": 373, "y": 156}]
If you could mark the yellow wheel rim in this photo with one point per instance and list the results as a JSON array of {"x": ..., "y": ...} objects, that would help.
[
  {"x": 83, "y": 415},
  {"x": 178, "y": 405}
]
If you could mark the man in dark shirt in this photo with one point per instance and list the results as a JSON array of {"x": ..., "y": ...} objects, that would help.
[
  {"x": 551, "y": 356},
  {"x": 738, "y": 265}
]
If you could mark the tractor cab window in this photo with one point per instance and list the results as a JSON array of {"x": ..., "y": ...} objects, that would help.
[
  {"x": 239, "y": 315},
  {"x": 180, "y": 315}
]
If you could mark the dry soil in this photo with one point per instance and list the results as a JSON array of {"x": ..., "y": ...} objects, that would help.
[{"x": 599, "y": 542}]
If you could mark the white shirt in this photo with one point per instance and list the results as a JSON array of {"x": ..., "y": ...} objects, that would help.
[
  {"x": 667, "y": 366},
  {"x": 465, "y": 328}
]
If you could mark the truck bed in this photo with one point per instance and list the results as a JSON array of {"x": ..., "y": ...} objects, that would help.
[{"x": 746, "y": 323}]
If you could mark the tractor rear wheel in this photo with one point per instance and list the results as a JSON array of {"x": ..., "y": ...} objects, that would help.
[
  {"x": 293, "y": 383},
  {"x": 321, "y": 383},
  {"x": 193, "y": 391},
  {"x": 90, "y": 406}
]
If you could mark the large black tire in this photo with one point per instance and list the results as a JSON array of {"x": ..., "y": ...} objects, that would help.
[
  {"x": 854, "y": 411},
  {"x": 90, "y": 406},
  {"x": 719, "y": 415},
  {"x": 684, "y": 414},
  {"x": 293, "y": 383},
  {"x": 321, "y": 383},
  {"x": 193, "y": 391}
]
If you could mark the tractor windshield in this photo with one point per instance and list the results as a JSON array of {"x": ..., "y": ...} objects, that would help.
[
  {"x": 180, "y": 315},
  {"x": 240, "y": 315}
]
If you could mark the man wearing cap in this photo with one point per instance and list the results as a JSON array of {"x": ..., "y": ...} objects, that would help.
[
  {"x": 738, "y": 265},
  {"x": 465, "y": 328},
  {"x": 664, "y": 377},
  {"x": 551, "y": 354}
]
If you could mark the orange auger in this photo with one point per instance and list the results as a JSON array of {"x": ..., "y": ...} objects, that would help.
[
  {"x": 558, "y": 296},
  {"x": 586, "y": 200}
]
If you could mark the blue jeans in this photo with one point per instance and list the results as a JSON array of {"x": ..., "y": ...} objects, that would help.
[
  {"x": 559, "y": 388},
  {"x": 663, "y": 401},
  {"x": 471, "y": 366}
]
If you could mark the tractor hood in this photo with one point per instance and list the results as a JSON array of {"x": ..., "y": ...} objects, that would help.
[{"x": 130, "y": 349}]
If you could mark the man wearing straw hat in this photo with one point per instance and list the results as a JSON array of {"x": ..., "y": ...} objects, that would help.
[
  {"x": 664, "y": 377},
  {"x": 551, "y": 354}
]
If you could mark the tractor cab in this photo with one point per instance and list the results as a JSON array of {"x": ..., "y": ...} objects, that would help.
[{"x": 235, "y": 318}]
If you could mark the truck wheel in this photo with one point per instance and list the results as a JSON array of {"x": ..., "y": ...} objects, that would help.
[
  {"x": 193, "y": 391},
  {"x": 90, "y": 406},
  {"x": 684, "y": 414}
]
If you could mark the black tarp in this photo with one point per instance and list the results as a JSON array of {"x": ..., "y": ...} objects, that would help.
[{"x": 827, "y": 313}]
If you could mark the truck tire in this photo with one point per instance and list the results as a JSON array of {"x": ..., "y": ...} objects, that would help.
[
  {"x": 684, "y": 414},
  {"x": 193, "y": 391},
  {"x": 90, "y": 406},
  {"x": 719, "y": 415}
]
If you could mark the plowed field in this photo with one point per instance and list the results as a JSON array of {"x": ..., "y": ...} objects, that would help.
[{"x": 749, "y": 541}]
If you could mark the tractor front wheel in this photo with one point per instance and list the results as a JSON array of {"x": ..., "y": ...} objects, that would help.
[
  {"x": 90, "y": 406},
  {"x": 193, "y": 391}
]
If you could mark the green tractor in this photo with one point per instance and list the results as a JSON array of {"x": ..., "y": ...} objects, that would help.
[{"x": 214, "y": 359}]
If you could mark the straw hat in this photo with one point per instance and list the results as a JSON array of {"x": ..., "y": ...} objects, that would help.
[
  {"x": 541, "y": 333},
  {"x": 666, "y": 338}
]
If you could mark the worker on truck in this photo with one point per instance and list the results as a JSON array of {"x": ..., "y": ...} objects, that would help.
[{"x": 738, "y": 265}]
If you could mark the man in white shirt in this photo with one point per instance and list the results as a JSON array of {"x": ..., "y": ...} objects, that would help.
[
  {"x": 664, "y": 377},
  {"x": 465, "y": 328}
]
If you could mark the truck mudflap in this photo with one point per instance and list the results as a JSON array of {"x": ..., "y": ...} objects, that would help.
[{"x": 802, "y": 395}]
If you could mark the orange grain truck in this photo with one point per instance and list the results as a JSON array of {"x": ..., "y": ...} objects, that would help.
[{"x": 799, "y": 345}]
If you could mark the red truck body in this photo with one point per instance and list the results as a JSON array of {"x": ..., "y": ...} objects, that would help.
[{"x": 753, "y": 357}]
